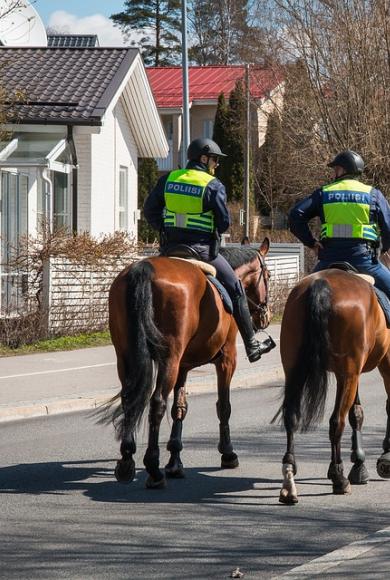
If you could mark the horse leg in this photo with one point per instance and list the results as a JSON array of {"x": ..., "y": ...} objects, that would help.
[
  {"x": 288, "y": 493},
  {"x": 174, "y": 467},
  {"x": 125, "y": 467},
  {"x": 226, "y": 366},
  {"x": 358, "y": 474},
  {"x": 383, "y": 463},
  {"x": 166, "y": 379},
  {"x": 346, "y": 395}
]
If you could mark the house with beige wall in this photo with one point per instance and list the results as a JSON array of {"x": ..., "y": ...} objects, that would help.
[{"x": 206, "y": 83}]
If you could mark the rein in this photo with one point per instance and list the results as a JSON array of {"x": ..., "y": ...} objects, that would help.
[{"x": 261, "y": 306}]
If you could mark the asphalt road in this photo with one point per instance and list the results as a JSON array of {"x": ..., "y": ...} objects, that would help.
[{"x": 64, "y": 516}]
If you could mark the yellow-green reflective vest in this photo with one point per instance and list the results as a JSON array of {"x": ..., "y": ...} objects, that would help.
[
  {"x": 184, "y": 191},
  {"x": 346, "y": 206}
]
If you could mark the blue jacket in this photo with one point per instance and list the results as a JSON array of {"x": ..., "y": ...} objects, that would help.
[
  {"x": 311, "y": 207},
  {"x": 214, "y": 199}
]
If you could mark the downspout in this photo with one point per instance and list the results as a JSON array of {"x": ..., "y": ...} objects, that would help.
[
  {"x": 73, "y": 153},
  {"x": 45, "y": 174}
]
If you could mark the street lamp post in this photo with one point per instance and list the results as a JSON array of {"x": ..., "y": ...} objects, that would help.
[
  {"x": 186, "y": 108},
  {"x": 247, "y": 154}
]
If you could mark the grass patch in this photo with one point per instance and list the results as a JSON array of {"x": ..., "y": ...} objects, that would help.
[{"x": 86, "y": 340}]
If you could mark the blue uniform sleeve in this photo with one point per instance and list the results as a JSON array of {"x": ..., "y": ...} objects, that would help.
[
  {"x": 383, "y": 209},
  {"x": 155, "y": 203},
  {"x": 215, "y": 200},
  {"x": 301, "y": 214}
]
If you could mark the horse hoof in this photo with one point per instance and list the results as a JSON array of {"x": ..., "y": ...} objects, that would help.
[
  {"x": 343, "y": 488},
  {"x": 153, "y": 484},
  {"x": 358, "y": 475},
  {"x": 125, "y": 470},
  {"x": 229, "y": 461},
  {"x": 286, "y": 498},
  {"x": 383, "y": 465},
  {"x": 174, "y": 472}
]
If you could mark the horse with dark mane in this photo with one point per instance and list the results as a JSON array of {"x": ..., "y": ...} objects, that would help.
[
  {"x": 166, "y": 315},
  {"x": 332, "y": 323}
]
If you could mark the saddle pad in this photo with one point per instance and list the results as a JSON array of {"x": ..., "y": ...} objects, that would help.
[
  {"x": 366, "y": 277},
  {"x": 226, "y": 300},
  {"x": 204, "y": 266},
  {"x": 384, "y": 302}
]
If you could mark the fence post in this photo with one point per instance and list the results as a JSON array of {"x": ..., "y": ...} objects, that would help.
[{"x": 46, "y": 297}]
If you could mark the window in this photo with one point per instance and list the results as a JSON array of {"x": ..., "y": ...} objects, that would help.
[
  {"x": 123, "y": 201},
  {"x": 14, "y": 208},
  {"x": 208, "y": 128},
  {"x": 62, "y": 200},
  {"x": 167, "y": 121},
  {"x": 62, "y": 206}
]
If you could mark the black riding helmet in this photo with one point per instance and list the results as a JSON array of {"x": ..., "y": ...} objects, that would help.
[
  {"x": 350, "y": 161},
  {"x": 203, "y": 146}
]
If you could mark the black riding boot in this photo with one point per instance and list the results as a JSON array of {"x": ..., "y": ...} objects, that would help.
[{"x": 254, "y": 348}]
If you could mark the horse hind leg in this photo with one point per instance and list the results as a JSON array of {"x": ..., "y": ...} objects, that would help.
[
  {"x": 225, "y": 366},
  {"x": 125, "y": 467},
  {"x": 345, "y": 397},
  {"x": 166, "y": 379},
  {"x": 358, "y": 474},
  {"x": 288, "y": 494},
  {"x": 383, "y": 463},
  {"x": 174, "y": 467}
]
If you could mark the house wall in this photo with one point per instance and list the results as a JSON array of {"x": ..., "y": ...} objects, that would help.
[
  {"x": 266, "y": 107},
  {"x": 101, "y": 152},
  {"x": 82, "y": 141},
  {"x": 199, "y": 114},
  {"x": 127, "y": 156}
]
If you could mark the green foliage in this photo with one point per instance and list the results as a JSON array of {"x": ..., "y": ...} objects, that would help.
[
  {"x": 147, "y": 178},
  {"x": 160, "y": 23},
  {"x": 85, "y": 340},
  {"x": 229, "y": 133}
]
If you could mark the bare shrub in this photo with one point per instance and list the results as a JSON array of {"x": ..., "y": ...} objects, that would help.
[{"x": 66, "y": 282}]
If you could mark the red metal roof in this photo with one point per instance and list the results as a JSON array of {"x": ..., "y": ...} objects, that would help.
[{"x": 207, "y": 82}]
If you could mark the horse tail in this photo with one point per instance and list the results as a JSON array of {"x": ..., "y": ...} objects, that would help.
[
  {"x": 307, "y": 384},
  {"x": 146, "y": 345}
]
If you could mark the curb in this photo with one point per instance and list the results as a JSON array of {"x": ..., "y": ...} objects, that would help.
[{"x": 208, "y": 384}]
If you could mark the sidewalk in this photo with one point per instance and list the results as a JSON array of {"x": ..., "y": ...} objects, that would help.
[{"x": 59, "y": 382}]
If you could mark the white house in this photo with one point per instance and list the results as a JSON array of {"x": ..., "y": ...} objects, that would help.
[{"x": 81, "y": 119}]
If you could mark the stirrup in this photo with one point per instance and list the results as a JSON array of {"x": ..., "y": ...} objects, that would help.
[{"x": 255, "y": 352}]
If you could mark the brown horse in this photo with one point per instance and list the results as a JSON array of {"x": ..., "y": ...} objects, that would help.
[
  {"x": 165, "y": 313},
  {"x": 332, "y": 323}
]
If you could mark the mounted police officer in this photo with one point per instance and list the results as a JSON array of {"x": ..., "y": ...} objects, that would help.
[
  {"x": 188, "y": 206},
  {"x": 354, "y": 216}
]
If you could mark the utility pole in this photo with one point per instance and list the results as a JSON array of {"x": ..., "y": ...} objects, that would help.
[
  {"x": 247, "y": 154},
  {"x": 186, "y": 108}
]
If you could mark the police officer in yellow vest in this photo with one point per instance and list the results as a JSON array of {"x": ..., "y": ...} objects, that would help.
[
  {"x": 355, "y": 218},
  {"x": 188, "y": 206}
]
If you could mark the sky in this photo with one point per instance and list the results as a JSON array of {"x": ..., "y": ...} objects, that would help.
[{"x": 82, "y": 17}]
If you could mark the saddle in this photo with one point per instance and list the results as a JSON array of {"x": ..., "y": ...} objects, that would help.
[
  {"x": 383, "y": 299},
  {"x": 187, "y": 253}
]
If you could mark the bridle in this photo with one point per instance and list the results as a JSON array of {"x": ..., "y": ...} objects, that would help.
[{"x": 261, "y": 307}]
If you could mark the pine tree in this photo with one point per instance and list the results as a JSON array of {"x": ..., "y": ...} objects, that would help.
[
  {"x": 221, "y": 124},
  {"x": 160, "y": 22},
  {"x": 147, "y": 179},
  {"x": 237, "y": 121},
  {"x": 220, "y": 32}
]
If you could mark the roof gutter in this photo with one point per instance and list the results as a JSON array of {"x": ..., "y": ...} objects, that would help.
[{"x": 73, "y": 152}]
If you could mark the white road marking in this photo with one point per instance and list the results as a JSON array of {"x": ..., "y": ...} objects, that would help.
[
  {"x": 333, "y": 559},
  {"x": 56, "y": 371}
]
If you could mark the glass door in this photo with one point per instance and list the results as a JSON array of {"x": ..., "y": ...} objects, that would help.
[{"x": 14, "y": 212}]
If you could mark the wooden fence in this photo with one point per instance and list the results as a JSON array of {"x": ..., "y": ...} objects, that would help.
[{"x": 74, "y": 296}]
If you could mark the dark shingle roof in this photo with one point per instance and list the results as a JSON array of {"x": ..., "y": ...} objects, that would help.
[
  {"x": 72, "y": 40},
  {"x": 64, "y": 85}
]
